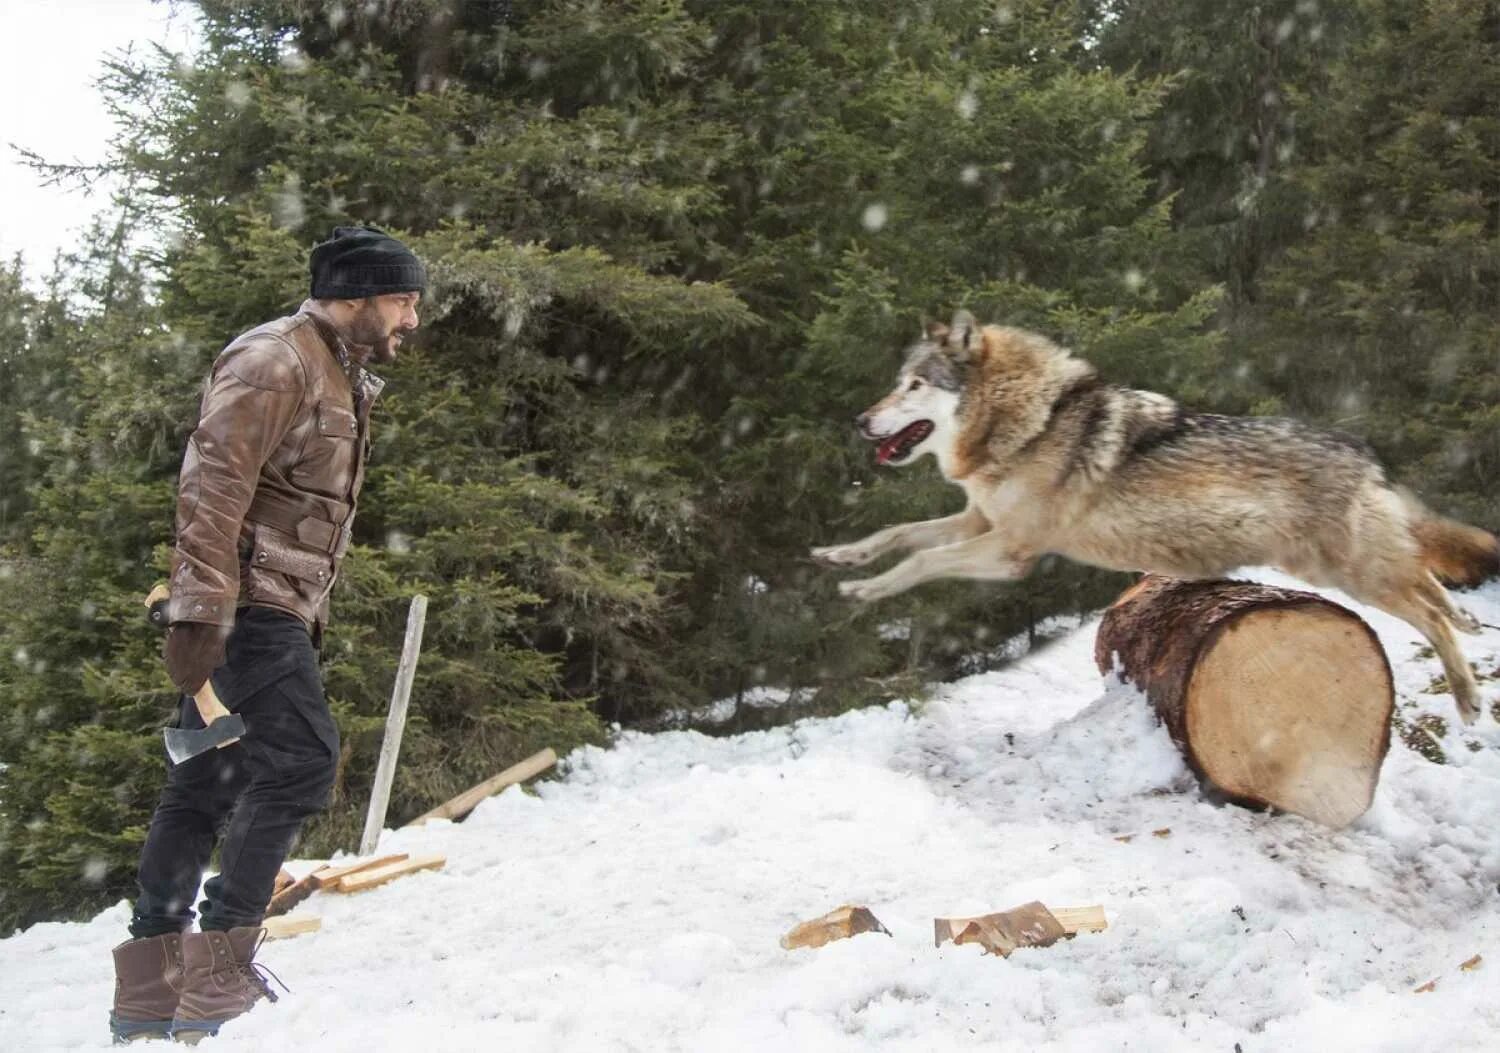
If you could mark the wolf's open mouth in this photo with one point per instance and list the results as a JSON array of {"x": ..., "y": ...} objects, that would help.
[{"x": 897, "y": 447}]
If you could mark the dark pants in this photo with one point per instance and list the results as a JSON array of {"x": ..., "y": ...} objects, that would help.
[{"x": 255, "y": 793}]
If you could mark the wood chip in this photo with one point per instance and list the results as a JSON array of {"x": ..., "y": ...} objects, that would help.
[
  {"x": 1029, "y": 925},
  {"x": 838, "y": 924},
  {"x": 1165, "y": 831},
  {"x": 1472, "y": 964},
  {"x": 1430, "y": 985}
]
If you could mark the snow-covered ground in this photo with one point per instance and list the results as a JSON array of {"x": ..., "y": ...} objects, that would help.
[{"x": 636, "y": 903}]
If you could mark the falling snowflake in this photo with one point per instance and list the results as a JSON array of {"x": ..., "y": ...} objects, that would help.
[
  {"x": 238, "y": 94},
  {"x": 287, "y": 207}
]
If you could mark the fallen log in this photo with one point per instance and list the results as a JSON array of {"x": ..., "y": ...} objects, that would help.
[
  {"x": 467, "y": 801},
  {"x": 1276, "y": 697}
]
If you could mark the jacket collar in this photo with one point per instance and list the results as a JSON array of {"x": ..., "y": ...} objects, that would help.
[{"x": 358, "y": 375}]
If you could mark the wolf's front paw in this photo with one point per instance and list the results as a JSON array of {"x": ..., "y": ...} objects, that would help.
[
  {"x": 866, "y": 590},
  {"x": 852, "y": 555}
]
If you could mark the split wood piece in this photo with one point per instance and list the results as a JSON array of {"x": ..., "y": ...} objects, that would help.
[
  {"x": 285, "y": 928},
  {"x": 1275, "y": 697},
  {"x": 294, "y": 894},
  {"x": 1468, "y": 967},
  {"x": 838, "y": 924},
  {"x": 284, "y": 880},
  {"x": 321, "y": 878},
  {"x": 1029, "y": 925},
  {"x": 467, "y": 801},
  {"x": 368, "y": 879}
]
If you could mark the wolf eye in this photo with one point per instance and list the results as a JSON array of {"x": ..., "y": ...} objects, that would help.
[{"x": 915, "y": 384}]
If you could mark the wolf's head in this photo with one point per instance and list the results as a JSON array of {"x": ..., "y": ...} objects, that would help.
[{"x": 922, "y": 414}]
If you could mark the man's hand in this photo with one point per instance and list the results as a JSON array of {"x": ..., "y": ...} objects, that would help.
[{"x": 193, "y": 651}]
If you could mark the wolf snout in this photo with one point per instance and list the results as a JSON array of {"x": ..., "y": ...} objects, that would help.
[{"x": 862, "y": 422}]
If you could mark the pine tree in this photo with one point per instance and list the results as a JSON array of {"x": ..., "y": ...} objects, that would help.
[
  {"x": 1384, "y": 319},
  {"x": 675, "y": 246}
]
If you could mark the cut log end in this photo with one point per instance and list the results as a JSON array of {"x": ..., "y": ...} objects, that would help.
[
  {"x": 1276, "y": 697},
  {"x": 1290, "y": 707}
]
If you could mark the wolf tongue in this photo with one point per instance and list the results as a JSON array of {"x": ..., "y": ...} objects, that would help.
[{"x": 888, "y": 447}]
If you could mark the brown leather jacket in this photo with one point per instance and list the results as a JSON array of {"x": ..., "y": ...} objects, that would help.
[{"x": 266, "y": 498}]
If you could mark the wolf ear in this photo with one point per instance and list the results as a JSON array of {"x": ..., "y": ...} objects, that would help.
[{"x": 962, "y": 333}]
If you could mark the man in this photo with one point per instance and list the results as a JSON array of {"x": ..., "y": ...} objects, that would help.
[{"x": 265, "y": 505}]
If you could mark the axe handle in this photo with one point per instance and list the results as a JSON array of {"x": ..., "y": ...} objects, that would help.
[
  {"x": 207, "y": 699},
  {"x": 210, "y": 708}
]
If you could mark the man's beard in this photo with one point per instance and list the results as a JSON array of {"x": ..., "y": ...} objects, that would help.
[{"x": 366, "y": 329}]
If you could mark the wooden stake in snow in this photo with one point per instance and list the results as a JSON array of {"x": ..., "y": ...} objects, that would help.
[
  {"x": 1275, "y": 697},
  {"x": 467, "y": 801},
  {"x": 395, "y": 724}
]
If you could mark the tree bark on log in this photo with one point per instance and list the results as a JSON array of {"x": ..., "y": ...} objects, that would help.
[{"x": 1275, "y": 697}]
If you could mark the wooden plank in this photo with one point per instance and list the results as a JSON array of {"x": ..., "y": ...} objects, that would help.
[
  {"x": 369, "y": 879},
  {"x": 395, "y": 725},
  {"x": 1080, "y": 919},
  {"x": 467, "y": 801},
  {"x": 333, "y": 875},
  {"x": 285, "y": 928}
]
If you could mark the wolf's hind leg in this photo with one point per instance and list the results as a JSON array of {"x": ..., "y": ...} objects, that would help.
[
  {"x": 1462, "y": 620},
  {"x": 989, "y": 557},
  {"x": 1430, "y": 618},
  {"x": 904, "y": 537}
]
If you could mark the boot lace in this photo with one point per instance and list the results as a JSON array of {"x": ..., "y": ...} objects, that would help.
[{"x": 258, "y": 974}]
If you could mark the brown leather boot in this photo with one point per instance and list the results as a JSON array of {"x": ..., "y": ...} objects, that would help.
[
  {"x": 220, "y": 980},
  {"x": 148, "y": 976}
]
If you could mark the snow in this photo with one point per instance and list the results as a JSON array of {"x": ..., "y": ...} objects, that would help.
[{"x": 636, "y": 903}]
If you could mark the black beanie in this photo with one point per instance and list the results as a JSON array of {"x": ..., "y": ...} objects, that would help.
[{"x": 361, "y": 261}]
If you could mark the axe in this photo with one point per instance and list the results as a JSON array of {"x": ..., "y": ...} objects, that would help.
[{"x": 221, "y": 727}]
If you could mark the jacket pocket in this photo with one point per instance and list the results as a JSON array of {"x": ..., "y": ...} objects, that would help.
[
  {"x": 337, "y": 422},
  {"x": 325, "y": 464},
  {"x": 272, "y": 553}
]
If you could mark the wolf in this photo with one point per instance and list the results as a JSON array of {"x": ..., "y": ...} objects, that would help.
[{"x": 1055, "y": 460}]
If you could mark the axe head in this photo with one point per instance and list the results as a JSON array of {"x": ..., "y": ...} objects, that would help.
[{"x": 186, "y": 743}]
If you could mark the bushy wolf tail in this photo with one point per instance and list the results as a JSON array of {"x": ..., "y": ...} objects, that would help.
[{"x": 1459, "y": 554}]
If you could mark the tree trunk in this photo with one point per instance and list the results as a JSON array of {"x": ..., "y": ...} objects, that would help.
[{"x": 1275, "y": 697}]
